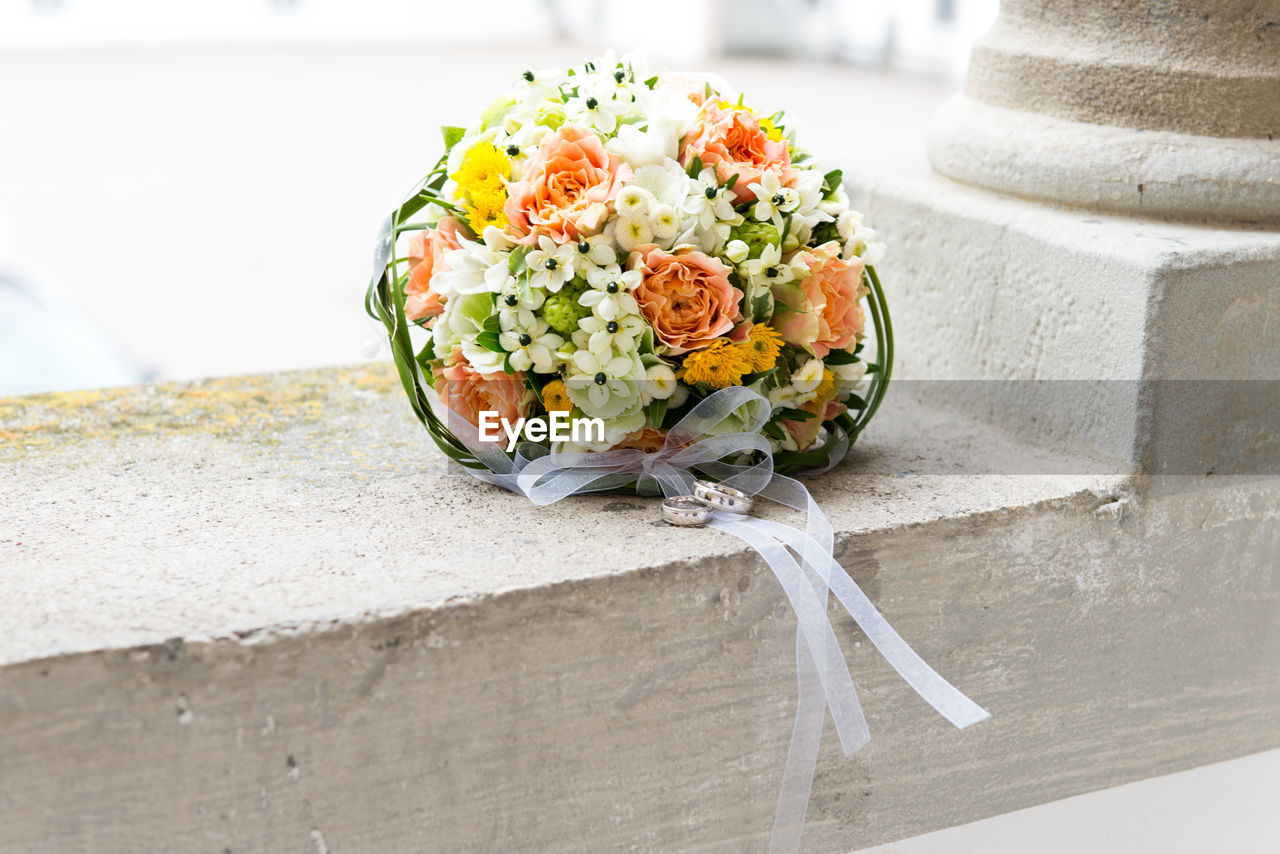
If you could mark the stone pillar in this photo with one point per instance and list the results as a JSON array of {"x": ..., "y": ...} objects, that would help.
[{"x": 1160, "y": 108}]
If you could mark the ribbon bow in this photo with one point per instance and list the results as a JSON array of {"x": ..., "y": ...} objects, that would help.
[{"x": 719, "y": 438}]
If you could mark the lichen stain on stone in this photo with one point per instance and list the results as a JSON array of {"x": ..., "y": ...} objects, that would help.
[{"x": 253, "y": 407}]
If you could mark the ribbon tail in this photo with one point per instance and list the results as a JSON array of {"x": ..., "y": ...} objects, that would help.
[
  {"x": 924, "y": 680},
  {"x": 811, "y": 617},
  {"x": 802, "y": 755}
]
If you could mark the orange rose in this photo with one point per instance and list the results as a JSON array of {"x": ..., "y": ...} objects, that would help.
[
  {"x": 824, "y": 311},
  {"x": 426, "y": 253},
  {"x": 647, "y": 439},
  {"x": 466, "y": 393},
  {"x": 686, "y": 296},
  {"x": 733, "y": 142},
  {"x": 566, "y": 187}
]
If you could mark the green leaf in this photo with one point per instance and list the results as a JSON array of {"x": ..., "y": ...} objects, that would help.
[
  {"x": 856, "y": 402},
  {"x": 733, "y": 179},
  {"x": 516, "y": 263},
  {"x": 489, "y": 341},
  {"x": 788, "y": 414},
  {"x": 773, "y": 431},
  {"x": 831, "y": 182},
  {"x": 695, "y": 166},
  {"x": 652, "y": 81},
  {"x": 492, "y": 324},
  {"x": 839, "y": 357},
  {"x": 427, "y": 353},
  {"x": 451, "y": 136},
  {"x": 657, "y": 411}
]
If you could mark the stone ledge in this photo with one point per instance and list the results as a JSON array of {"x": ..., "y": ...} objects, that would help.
[
  {"x": 237, "y": 508},
  {"x": 254, "y": 653}
]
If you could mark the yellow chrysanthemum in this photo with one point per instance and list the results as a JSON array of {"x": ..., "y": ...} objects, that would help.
[
  {"x": 486, "y": 209},
  {"x": 555, "y": 397},
  {"x": 771, "y": 130},
  {"x": 827, "y": 388},
  {"x": 720, "y": 364},
  {"x": 483, "y": 167},
  {"x": 761, "y": 347}
]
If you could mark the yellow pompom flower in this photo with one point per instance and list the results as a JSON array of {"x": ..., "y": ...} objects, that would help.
[
  {"x": 761, "y": 348},
  {"x": 484, "y": 167},
  {"x": 770, "y": 129},
  {"x": 555, "y": 397},
  {"x": 487, "y": 208},
  {"x": 720, "y": 364}
]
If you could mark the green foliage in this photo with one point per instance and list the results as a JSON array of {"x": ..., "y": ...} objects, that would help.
[
  {"x": 451, "y": 136},
  {"x": 562, "y": 309},
  {"x": 757, "y": 235}
]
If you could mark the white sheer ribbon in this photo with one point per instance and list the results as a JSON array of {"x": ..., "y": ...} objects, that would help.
[{"x": 718, "y": 438}]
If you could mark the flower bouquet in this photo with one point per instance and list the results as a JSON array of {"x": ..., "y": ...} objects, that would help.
[
  {"x": 651, "y": 257},
  {"x": 614, "y": 246}
]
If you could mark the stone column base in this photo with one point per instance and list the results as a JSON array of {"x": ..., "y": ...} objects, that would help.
[{"x": 1112, "y": 169}]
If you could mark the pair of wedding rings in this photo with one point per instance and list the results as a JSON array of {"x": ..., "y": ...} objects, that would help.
[{"x": 690, "y": 511}]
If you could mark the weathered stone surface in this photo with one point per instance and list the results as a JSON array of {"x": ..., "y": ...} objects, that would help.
[
  {"x": 1167, "y": 110},
  {"x": 295, "y": 632},
  {"x": 1077, "y": 330}
]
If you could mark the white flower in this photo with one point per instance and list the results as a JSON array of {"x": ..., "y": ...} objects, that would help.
[
  {"x": 596, "y": 251},
  {"x": 846, "y": 224},
  {"x": 633, "y": 202},
  {"x": 641, "y": 147},
  {"x": 604, "y": 385},
  {"x": 808, "y": 376},
  {"x": 710, "y": 207},
  {"x": 849, "y": 375},
  {"x": 517, "y": 293},
  {"x": 539, "y": 84},
  {"x": 773, "y": 199},
  {"x": 615, "y": 430},
  {"x": 610, "y": 295},
  {"x": 708, "y": 202},
  {"x": 631, "y": 233},
  {"x": 678, "y": 397},
  {"x": 659, "y": 382},
  {"x": 596, "y": 107},
  {"x": 783, "y": 396},
  {"x": 551, "y": 264},
  {"x": 601, "y": 336},
  {"x": 737, "y": 251},
  {"x": 768, "y": 269},
  {"x": 472, "y": 268},
  {"x": 525, "y": 337},
  {"x": 807, "y": 185},
  {"x": 666, "y": 182},
  {"x": 664, "y": 222}
]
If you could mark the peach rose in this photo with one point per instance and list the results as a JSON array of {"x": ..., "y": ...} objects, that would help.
[
  {"x": 804, "y": 432},
  {"x": 466, "y": 393},
  {"x": 685, "y": 296},
  {"x": 733, "y": 142},
  {"x": 426, "y": 258},
  {"x": 566, "y": 187},
  {"x": 823, "y": 312},
  {"x": 647, "y": 439}
]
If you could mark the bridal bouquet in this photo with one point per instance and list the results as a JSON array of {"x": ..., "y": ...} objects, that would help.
[
  {"x": 652, "y": 259},
  {"x": 606, "y": 247}
]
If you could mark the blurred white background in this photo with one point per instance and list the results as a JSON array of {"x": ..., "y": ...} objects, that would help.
[{"x": 192, "y": 189}]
